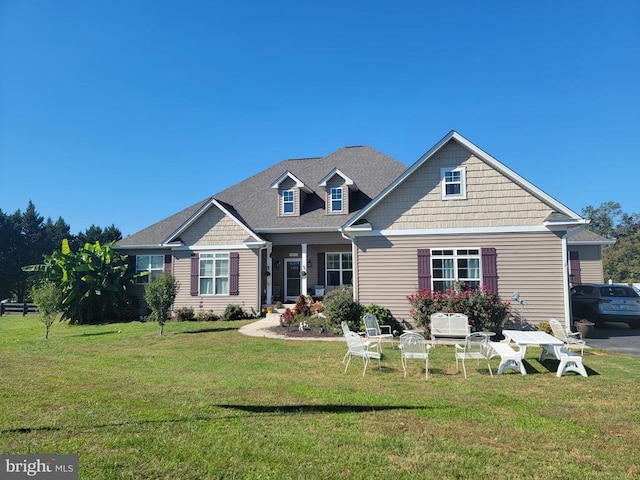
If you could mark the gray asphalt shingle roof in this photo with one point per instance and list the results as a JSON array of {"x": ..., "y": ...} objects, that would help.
[{"x": 255, "y": 203}]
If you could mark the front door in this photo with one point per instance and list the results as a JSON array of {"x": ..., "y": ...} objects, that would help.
[{"x": 291, "y": 279}]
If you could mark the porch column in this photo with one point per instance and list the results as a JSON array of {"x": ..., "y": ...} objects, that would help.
[{"x": 303, "y": 268}]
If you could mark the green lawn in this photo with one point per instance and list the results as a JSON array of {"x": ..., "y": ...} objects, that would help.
[{"x": 204, "y": 401}]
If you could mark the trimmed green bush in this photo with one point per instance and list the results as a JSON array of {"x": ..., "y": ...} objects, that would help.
[{"x": 339, "y": 306}]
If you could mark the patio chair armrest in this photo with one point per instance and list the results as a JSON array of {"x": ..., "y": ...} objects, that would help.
[
  {"x": 574, "y": 335},
  {"x": 386, "y": 329}
]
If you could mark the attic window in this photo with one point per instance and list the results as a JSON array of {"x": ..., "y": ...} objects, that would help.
[
  {"x": 288, "y": 197},
  {"x": 454, "y": 186},
  {"x": 336, "y": 199}
]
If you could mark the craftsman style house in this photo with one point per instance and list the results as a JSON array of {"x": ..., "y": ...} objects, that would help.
[{"x": 360, "y": 217}]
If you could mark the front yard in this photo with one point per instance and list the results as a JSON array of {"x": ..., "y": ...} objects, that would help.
[{"x": 204, "y": 401}]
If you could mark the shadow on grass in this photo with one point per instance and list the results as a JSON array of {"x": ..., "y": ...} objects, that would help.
[
  {"x": 308, "y": 408},
  {"x": 110, "y": 332},
  {"x": 209, "y": 330},
  {"x": 256, "y": 409},
  {"x": 552, "y": 365}
]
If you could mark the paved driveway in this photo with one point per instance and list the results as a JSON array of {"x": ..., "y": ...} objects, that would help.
[{"x": 617, "y": 337}]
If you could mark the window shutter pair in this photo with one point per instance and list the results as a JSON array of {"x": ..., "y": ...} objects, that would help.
[
  {"x": 489, "y": 269},
  {"x": 234, "y": 274}
]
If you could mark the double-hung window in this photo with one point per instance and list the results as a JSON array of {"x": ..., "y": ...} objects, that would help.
[
  {"x": 214, "y": 274},
  {"x": 455, "y": 265},
  {"x": 339, "y": 268},
  {"x": 288, "y": 197},
  {"x": 153, "y": 264},
  {"x": 454, "y": 186},
  {"x": 336, "y": 199}
]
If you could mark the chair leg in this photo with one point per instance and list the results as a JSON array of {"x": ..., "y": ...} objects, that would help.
[
  {"x": 365, "y": 360},
  {"x": 464, "y": 369},
  {"x": 348, "y": 356},
  {"x": 404, "y": 365}
]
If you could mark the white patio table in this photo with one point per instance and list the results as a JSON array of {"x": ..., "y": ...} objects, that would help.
[{"x": 550, "y": 345}]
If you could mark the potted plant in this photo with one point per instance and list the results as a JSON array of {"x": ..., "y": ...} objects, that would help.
[{"x": 585, "y": 327}]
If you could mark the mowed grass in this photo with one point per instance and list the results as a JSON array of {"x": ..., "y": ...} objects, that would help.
[{"x": 205, "y": 402}]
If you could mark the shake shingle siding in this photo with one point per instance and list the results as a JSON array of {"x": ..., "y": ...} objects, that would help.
[
  {"x": 492, "y": 199},
  {"x": 214, "y": 228}
]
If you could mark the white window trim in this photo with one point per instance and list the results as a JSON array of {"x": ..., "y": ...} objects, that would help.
[
  {"x": 292, "y": 202},
  {"x": 456, "y": 256},
  {"x": 336, "y": 189},
  {"x": 341, "y": 270},
  {"x": 147, "y": 278},
  {"x": 214, "y": 257},
  {"x": 463, "y": 183}
]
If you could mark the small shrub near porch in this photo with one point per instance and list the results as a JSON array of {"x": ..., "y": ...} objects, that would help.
[{"x": 486, "y": 311}]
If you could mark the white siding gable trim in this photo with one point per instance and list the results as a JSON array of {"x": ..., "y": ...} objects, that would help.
[
  {"x": 478, "y": 152},
  {"x": 449, "y": 231},
  {"x": 347, "y": 181},
  {"x": 213, "y": 202},
  {"x": 299, "y": 183}
]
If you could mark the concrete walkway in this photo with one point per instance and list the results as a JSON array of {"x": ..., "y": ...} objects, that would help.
[{"x": 261, "y": 328}]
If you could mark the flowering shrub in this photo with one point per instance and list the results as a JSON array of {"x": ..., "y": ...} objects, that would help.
[
  {"x": 286, "y": 318},
  {"x": 303, "y": 307},
  {"x": 486, "y": 312}
]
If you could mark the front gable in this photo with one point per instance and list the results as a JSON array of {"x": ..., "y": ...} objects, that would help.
[
  {"x": 213, "y": 227},
  {"x": 458, "y": 186}
]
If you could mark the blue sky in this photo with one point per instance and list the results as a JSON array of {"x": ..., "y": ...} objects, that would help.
[{"x": 125, "y": 112}]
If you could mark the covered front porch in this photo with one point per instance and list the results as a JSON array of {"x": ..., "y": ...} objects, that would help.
[{"x": 309, "y": 269}]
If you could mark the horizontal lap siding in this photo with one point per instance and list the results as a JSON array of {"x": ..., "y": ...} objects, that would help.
[
  {"x": 529, "y": 263},
  {"x": 590, "y": 263},
  {"x": 248, "y": 274}
]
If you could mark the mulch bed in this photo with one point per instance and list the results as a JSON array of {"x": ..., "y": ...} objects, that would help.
[{"x": 295, "y": 333}]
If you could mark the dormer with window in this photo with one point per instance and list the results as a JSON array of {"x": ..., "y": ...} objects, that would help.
[
  {"x": 291, "y": 194},
  {"x": 337, "y": 187},
  {"x": 453, "y": 183}
]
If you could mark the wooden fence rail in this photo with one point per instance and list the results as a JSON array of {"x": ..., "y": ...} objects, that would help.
[{"x": 23, "y": 308}]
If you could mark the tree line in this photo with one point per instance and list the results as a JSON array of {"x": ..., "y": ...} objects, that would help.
[
  {"x": 621, "y": 261},
  {"x": 26, "y": 237}
]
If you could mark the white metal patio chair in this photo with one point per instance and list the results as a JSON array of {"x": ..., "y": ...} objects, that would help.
[
  {"x": 360, "y": 347},
  {"x": 476, "y": 347},
  {"x": 375, "y": 332},
  {"x": 414, "y": 346},
  {"x": 570, "y": 339}
]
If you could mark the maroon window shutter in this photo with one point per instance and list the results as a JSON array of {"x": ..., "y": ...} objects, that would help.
[
  {"x": 234, "y": 273},
  {"x": 167, "y": 263},
  {"x": 132, "y": 262},
  {"x": 424, "y": 269},
  {"x": 195, "y": 274},
  {"x": 321, "y": 268},
  {"x": 490, "y": 270},
  {"x": 574, "y": 266}
]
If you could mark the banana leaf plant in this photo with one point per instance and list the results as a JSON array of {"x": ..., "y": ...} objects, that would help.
[{"x": 95, "y": 281}]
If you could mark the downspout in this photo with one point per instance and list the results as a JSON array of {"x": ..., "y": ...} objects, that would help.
[
  {"x": 565, "y": 273},
  {"x": 354, "y": 255}
]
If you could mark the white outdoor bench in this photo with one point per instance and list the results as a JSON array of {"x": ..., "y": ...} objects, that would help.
[
  {"x": 509, "y": 358},
  {"x": 449, "y": 325},
  {"x": 570, "y": 362}
]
